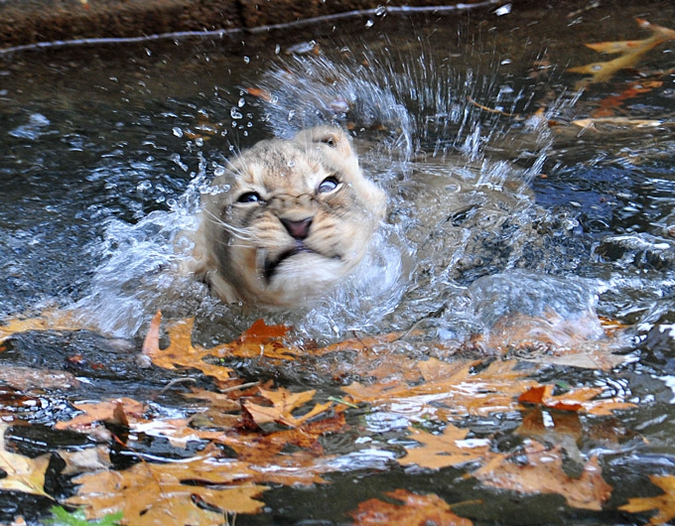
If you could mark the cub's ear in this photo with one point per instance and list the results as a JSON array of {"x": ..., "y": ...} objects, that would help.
[{"x": 333, "y": 137}]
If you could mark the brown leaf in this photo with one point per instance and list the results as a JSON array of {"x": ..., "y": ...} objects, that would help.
[
  {"x": 284, "y": 403},
  {"x": 543, "y": 473},
  {"x": 150, "y": 494},
  {"x": 440, "y": 451},
  {"x": 114, "y": 411},
  {"x": 582, "y": 399},
  {"x": 664, "y": 503},
  {"x": 454, "y": 387},
  {"x": 27, "y": 378},
  {"x": 414, "y": 510}
]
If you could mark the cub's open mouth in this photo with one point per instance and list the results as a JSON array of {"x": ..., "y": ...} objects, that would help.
[{"x": 271, "y": 265}]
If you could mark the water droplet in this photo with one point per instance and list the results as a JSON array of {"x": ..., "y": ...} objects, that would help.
[
  {"x": 241, "y": 102},
  {"x": 247, "y": 60},
  {"x": 381, "y": 10},
  {"x": 370, "y": 23},
  {"x": 503, "y": 10},
  {"x": 144, "y": 186},
  {"x": 177, "y": 131},
  {"x": 505, "y": 62},
  {"x": 235, "y": 113}
]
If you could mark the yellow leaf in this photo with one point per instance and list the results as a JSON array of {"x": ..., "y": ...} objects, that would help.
[
  {"x": 631, "y": 52},
  {"x": 664, "y": 503},
  {"x": 23, "y": 473}
]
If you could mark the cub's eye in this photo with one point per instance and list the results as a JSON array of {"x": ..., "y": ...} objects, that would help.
[
  {"x": 250, "y": 197},
  {"x": 328, "y": 185}
]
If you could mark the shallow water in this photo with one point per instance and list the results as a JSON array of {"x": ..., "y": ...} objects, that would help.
[{"x": 491, "y": 213}]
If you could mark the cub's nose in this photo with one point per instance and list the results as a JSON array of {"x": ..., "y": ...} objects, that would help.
[{"x": 297, "y": 229}]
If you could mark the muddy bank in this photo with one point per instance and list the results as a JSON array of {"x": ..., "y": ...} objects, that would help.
[{"x": 30, "y": 21}]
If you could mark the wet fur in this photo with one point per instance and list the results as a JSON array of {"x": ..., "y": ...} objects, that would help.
[{"x": 242, "y": 248}]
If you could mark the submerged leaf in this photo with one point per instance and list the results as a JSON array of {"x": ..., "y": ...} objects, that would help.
[
  {"x": 631, "y": 51},
  {"x": 543, "y": 473},
  {"x": 413, "y": 510},
  {"x": 440, "y": 451}
]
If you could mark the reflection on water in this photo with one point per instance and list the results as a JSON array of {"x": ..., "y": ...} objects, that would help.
[{"x": 497, "y": 204}]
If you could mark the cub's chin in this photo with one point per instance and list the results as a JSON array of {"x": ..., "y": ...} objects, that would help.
[{"x": 287, "y": 221}]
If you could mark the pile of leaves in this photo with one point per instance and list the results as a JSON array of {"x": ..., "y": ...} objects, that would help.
[{"x": 253, "y": 435}]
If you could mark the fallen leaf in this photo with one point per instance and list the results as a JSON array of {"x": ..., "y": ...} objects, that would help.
[
  {"x": 450, "y": 389},
  {"x": 582, "y": 399},
  {"x": 49, "y": 320},
  {"x": 664, "y": 503},
  {"x": 27, "y": 378},
  {"x": 180, "y": 353},
  {"x": 630, "y": 52},
  {"x": 284, "y": 403},
  {"x": 151, "y": 494},
  {"x": 539, "y": 470},
  {"x": 414, "y": 510},
  {"x": 112, "y": 411},
  {"x": 23, "y": 473},
  {"x": 440, "y": 451}
]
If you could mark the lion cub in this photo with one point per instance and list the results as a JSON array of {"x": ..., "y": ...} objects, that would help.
[{"x": 287, "y": 220}]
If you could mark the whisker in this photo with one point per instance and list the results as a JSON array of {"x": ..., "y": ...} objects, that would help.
[{"x": 241, "y": 233}]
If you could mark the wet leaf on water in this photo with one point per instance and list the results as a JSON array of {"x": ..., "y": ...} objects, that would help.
[
  {"x": 413, "y": 509},
  {"x": 28, "y": 378},
  {"x": 608, "y": 105},
  {"x": 49, "y": 320},
  {"x": 23, "y": 473},
  {"x": 630, "y": 52},
  {"x": 85, "y": 460},
  {"x": 539, "y": 470},
  {"x": 583, "y": 399},
  {"x": 284, "y": 403},
  {"x": 150, "y": 494},
  {"x": 440, "y": 451},
  {"x": 620, "y": 123},
  {"x": 112, "y": 412},
  {"x": 455, "y": 388},
  {"x": 180, "y": 353},
  {"x": 664, "y": 503}
]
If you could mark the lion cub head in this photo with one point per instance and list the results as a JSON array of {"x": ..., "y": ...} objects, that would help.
[{"x": 287, "y": 220}]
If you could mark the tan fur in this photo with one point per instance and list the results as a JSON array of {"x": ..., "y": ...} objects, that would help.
[{"x": 238, "y": 244}]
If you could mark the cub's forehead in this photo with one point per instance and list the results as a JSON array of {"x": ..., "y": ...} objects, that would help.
[{"x": 278, "y": 166}]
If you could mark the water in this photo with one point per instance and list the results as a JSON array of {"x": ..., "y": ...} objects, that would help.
[{"x": 108, "y": 148}]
